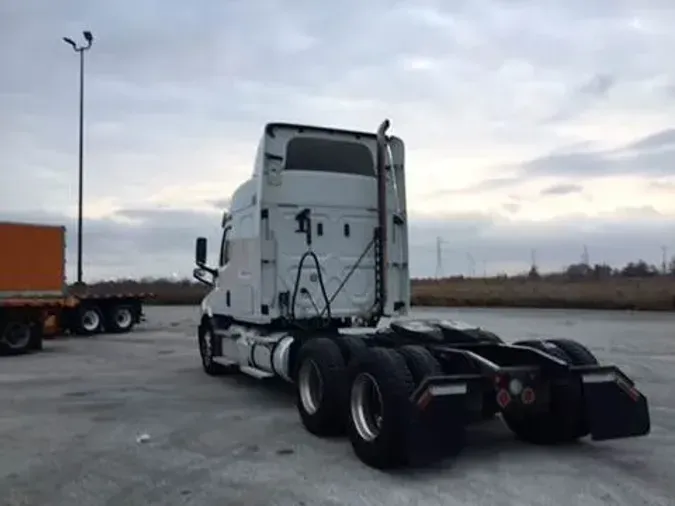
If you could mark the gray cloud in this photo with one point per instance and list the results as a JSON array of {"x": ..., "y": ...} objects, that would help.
[
  {"x": 499, "y": 244},
  {"x": 221, "y": 203},
  {"x": 583, "y": 97},
  {"x": 149, "y": 243},
  {"x": 489, "y": 184},
  {"x": 177, "y": 95},
  {"x": 652, "y": 156},
  {"x": 562, "y": 189},
  {"x": 598, "y": 85},
  {"x": 161, "y": 242}
]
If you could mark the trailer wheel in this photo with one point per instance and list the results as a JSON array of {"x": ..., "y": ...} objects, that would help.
[
  {"x": 16, "y": 338},
  {"x": 564, "y": 422},
  {"x": 421, "y": 363},
  {"x": 88, "y": 320},
  {"x": 380, "y": 411},
  {"x": 120, "y": 318},
  {"x": 321, "y": 387}
]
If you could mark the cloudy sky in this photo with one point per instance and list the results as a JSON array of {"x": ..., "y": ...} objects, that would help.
[{"x": 530, "y": 125}]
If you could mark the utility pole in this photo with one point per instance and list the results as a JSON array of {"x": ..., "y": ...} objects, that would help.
[
  {"x": 664, "y": 259},
  {"x": 80, "y": 49}
]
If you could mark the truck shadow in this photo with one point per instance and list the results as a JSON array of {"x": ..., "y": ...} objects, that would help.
[
  {"x": 491, "y": 441},
  {"x": 485, "y": 441}
]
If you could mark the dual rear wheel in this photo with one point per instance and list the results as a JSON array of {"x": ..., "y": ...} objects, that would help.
[
  {"x": 90, "y": 319},
  {"x": 345, "y": 387},
  {"x": 365, "y": 393},
  {"x": 565, "y": 420}
]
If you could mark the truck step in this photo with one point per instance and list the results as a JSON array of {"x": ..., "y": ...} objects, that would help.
[{"x": 256, "y": 373}]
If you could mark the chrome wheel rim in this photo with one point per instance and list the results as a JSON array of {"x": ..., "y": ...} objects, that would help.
[
  {"x": 366, "y": 407},
  {"x": 123, "y": 318},
  {"x": 91, "y": 320},
  {"x": 310, "y": 385}
]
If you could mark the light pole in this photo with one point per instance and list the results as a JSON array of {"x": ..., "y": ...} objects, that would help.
[{"x": 88, "y": 37}]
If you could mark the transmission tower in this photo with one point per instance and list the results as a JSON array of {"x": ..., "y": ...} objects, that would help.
[
  {"x": 439, "y": 258},
  {"x": 584, "y": 256},
  {"x": 533, "y": 258},
  {"x": 471, "y": 271}
]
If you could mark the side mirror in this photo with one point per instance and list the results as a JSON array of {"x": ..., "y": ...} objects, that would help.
[{"x": 200, "y": 251}]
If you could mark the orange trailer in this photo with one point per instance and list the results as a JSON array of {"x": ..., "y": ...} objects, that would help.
[{"x": 34, "y": 298}]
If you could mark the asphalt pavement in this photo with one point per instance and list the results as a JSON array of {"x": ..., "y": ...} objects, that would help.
[{"x": 132, "y": 420}]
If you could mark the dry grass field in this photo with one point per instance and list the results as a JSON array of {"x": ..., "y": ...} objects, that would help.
[
  {"x": 651, "y": 293},
  {"x": 654, "y": 293}
]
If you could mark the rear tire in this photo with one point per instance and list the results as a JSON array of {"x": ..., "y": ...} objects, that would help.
[
  {"x": 16, "y": 338},
  {"x": 420, "y": 362},
  {"x": 380, "y": 411},
  {"x": 350, "y": 346},
  {"x": 321, "y": 387},
  {"x": 88, "y": 320},
  {"x": 120, "y": 319},
  {"x": 577, "y": 352},
  {"x": 565, "y": 421}
]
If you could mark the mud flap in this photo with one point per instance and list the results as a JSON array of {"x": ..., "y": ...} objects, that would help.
[
  {"x": 614, "y": 407},
  {"x": 442, "y": 407}
]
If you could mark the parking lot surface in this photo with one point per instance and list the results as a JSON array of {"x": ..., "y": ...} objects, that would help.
[{"x": 132, "y": 420}]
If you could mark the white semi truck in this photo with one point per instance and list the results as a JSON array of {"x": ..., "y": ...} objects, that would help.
[{"x": 312, "y": 286}]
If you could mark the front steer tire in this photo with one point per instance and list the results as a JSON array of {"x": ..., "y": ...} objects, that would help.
[
  {"x": 380, "y": 440},
  {"x": 206, "y": 352},
  {"x": 321, "y": 387}
]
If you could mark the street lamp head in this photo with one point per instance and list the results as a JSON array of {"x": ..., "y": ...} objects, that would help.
[
  {"x": 71, "y": 42},
  {"x": 88, "y": 37}
]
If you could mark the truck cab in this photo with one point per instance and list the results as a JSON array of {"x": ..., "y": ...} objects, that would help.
[{"x": 300, "y": 241}]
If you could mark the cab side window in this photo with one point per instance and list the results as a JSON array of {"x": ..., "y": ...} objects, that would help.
[{"x": 225, "y": 248}]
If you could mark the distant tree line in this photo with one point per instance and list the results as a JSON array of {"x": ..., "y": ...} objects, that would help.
[
  {"x": 583, "y": 271},
  {"x": 189, "y": 291}
]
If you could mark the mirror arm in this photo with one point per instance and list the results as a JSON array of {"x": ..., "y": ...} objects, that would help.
[
  {"x": 210, "y": 270},
  {"x": 199, "y": 277}
]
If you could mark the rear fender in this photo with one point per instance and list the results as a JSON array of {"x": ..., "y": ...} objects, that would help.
[
  {"x": 443, "y": 406},
  {"x": 614, "y": 407}
]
